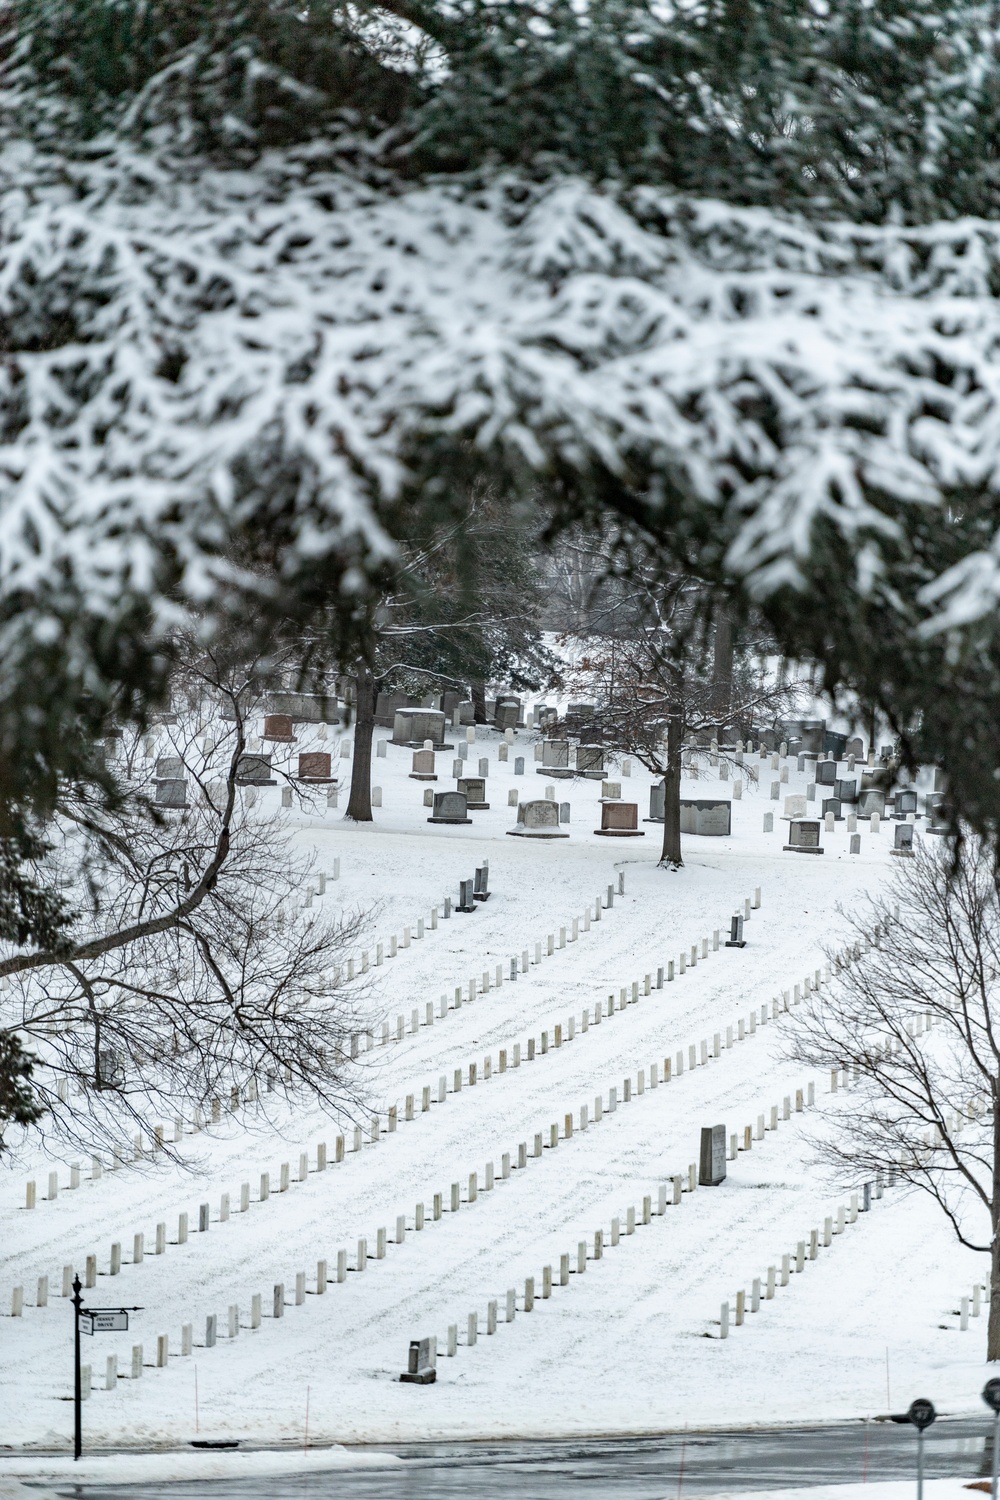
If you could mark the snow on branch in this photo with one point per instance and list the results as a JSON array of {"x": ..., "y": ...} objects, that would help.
[{"x": 282, "y": 351}]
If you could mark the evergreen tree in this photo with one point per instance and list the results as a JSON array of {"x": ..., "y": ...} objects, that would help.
[{"x": 278, "y": 282}]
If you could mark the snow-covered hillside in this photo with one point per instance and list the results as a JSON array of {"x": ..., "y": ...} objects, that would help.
[{"x": 631, "y": 1344}]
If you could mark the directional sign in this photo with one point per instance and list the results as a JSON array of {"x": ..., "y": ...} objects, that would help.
[{"x": 109, "y": 1320}]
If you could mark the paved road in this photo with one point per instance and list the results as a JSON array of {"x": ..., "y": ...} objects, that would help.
[{"x": 668, "y": 1468}]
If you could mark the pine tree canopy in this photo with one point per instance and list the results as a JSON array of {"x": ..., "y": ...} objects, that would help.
[{"x": 277, "y": 280}]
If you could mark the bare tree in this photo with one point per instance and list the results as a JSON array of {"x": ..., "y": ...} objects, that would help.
[
  {"x": 914, "y": 1018},
  {"x": 651, "y": 674},
  {"x": 198, "y": 962}
]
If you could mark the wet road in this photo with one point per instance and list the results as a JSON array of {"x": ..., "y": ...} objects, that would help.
[{"x": 664, "y": 1468}]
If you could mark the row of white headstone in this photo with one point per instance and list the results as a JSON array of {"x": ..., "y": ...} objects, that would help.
[
  {"x": 249, "y": 1094},
  {"x": 469, "y": 1073},
  {"x": 669, "y": 1193},
  {"x": 462, "y": 996},
  {"x": 670, "y": 1069},
  {"x": 778, "y": 1276},
  {"x": 467, "y": 993}
]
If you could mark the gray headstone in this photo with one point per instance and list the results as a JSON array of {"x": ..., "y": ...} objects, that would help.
[
  {"x": 538, "y": 819},
  {"x": 474, "y": 788},
  {"x": 871, "y": 800},
  {"x": 813, "y": 733},
  {"x": 253, "y": 770},
  {"x": 803, "y": 834},
  {"x": 414, "y": 725},
  {"x": 590, "y": 758},
  {"x": 171, "y": 793},
  {"x": 712, "y": 1157},
  {"x": 450, "y": 807},
  {"x": 507, "y": 713},
  {"x": 421, "y": 1363},
  {"x": 657, "y": 801},
  {"x": 555, "y": 755},
  {"x": 707, "y": 817},
  {"x": 519, "y": 765},
  {"x": 169, "y": 768}
]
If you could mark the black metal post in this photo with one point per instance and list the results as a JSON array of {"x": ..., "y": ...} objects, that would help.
[{"x": 77, "y": 1301}]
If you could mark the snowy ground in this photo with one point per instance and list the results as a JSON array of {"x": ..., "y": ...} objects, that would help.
[{"x": 632, "y": 1345}]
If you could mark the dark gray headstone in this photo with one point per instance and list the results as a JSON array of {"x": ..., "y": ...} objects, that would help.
[
  {"x": 254, "y": 770},
  {"x": 903, "y": 842},
  {"x": 590, "y": 759},
  {"x": 171, "y": 793},
  {"x": 450, "y": 807}
]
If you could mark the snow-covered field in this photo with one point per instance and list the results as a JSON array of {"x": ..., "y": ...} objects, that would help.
[{"x": 631, "y": 1345}]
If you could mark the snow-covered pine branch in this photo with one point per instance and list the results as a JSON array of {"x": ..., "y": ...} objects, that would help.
[
  {"x": 250, "y": 341},
  {"x": 190, "y": 360}
]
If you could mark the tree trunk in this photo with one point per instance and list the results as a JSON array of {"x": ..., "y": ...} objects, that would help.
[
  {"x": 479, "y": 702},
  {"x": 993, "y": 1330},
  {"x": 360, "y": 805},
  {"x": 722, "y": 670},
  {"x": 671, "y": 852}
]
